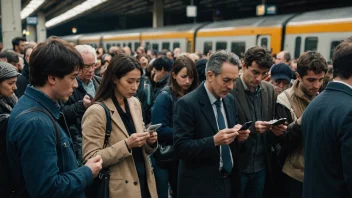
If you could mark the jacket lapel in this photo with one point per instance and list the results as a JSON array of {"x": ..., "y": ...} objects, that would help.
[
  {"x": 265, "y": 102},
  {"x": 230, "y": 113},
  {"x": 115, "y": 116},
  {"x": 207, "y": 109},
  {"x": 240, "y": 96},
  {"x": 134, "y": 110}
]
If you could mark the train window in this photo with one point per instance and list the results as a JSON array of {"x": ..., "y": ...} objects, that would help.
[
  {"x": 136, "y": 45},
  {"x": 208, "y": 46},
  {"x": 114, "y": 44},
  {"x": 188, "y": 46},
  {"x": 334, "y": 44},
  {"x": 130, "y": 45},
  {"x": 311, "y": 43},
  {"x": 165, "y": 45},
  {"x": 221, "y": 46},
  {"x": 155, "y": 46},
  {"x": 298, "y": 46},
  {"x": 264, "y": 42},
  {"x": 239, "y": 48},
  {"x": 147, "y": 45},
  {"x": 177, "y": 45},
  {"x": 108, "y": 46}
]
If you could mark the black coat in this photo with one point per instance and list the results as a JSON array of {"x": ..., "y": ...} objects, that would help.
[
  {"x": 327, "y": 134},
  {"x": 73, "y": 110},
  {"x": 194, "y": 128},
  {"x": 22, "y": 81}
]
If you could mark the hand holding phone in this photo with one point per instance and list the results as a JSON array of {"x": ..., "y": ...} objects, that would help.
[
  {"x": 153, "y": 128},
  {"x": 246, "y": 125},
  {"x": 278, "y": 122}
]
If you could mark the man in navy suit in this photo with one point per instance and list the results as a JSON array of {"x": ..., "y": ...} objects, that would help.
[
  {"x": 206, "y": 133},
  {"x": 327, "y": 132}
]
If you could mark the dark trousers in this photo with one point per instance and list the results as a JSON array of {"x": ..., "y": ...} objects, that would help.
[
  {"x": 295, "y": 188},
  {"x": 164, "y": 176},
  {"x": 252, "y": 184}
]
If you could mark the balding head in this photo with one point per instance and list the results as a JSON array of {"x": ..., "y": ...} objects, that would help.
[{"x": 283, "y": 57}]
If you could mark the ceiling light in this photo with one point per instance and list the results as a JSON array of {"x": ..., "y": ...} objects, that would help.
[
  {"x": 30, "y": 8},
  {"x": 87, "y": 5}
]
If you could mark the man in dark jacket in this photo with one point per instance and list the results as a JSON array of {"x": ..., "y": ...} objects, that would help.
[
  {"x": 255, "y": 101},
  {"x": 327, "y": 133},
  {"x": 81, "y": 97},
  {"x": 162, "y": 68},
  {"x": 41, "y": 159}
]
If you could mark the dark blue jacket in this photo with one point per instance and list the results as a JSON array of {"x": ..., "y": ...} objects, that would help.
[
  {"x": 162, "y": 113},
  {"x": 37, "y": 168},
  {"x": 327, "y": 134}
]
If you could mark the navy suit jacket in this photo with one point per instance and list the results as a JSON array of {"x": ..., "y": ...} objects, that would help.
[
  {"x": 327, "y": 134},
  {"x": 194, "y": 128}
]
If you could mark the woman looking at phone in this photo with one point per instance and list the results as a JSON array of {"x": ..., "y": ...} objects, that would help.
[
  {"x": 126, "y": 153},
  {"x": 183, "y": 79}
]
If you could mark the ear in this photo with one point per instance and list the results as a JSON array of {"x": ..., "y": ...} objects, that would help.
[
  {"x": 173, "y": 75},
  {"x": 116, "y": 81},
  {"x": 298, "y": 76},
  {"x": 52, "y": 80},
  {"x": 209, "y": 75}
]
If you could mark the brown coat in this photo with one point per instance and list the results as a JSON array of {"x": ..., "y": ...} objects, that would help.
[{"x": 124, "y": 180}]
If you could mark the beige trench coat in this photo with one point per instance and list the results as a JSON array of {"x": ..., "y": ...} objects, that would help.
[{"x": 124, "y": 180}]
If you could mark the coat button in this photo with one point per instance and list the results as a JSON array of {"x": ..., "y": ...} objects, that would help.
[
  {"x": 126, "y": 181},
  {"x": 135, "y": 183}
]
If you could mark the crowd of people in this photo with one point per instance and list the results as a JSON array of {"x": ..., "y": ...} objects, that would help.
[{"x": 173, "y": 124}]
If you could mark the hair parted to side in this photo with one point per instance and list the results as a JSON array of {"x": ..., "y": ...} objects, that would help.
[
  {"x": 260, "y": 56},
  {"x": 220, "y": 57},
  {"x": 119, "y": 66},
  {"x": 54, "y": 57},
  {"x": 342, "y": 60},
  {"x": 313, "y": 61},
  {"x": 180, "y": 63}
]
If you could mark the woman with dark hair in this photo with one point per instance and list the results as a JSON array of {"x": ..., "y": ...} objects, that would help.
[
  {"x": 183, "y": 79},
  {"x": 128, "y": 145}
]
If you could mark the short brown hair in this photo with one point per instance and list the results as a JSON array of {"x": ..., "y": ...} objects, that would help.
[
  {"x": 180, "y": 63},
  {"x": 313, "y": 61},
  {"x": 259, "y": 55},
  {"x": 54, "y": 57}
]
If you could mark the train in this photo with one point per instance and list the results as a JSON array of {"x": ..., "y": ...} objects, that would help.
[{"x": 319, "y": 30}]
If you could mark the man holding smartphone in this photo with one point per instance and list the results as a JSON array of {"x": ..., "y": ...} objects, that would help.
[
  {"x": 206, "y": 133},
  {"x": 255, "y": 101}
]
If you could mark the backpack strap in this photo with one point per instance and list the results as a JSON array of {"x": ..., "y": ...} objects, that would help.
[
  {"x": 52, "y": 120},
  {"x": 108, "y": 123}
]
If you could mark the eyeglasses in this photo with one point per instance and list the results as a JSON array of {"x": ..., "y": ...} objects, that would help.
[{"x": 88, "y": 66}]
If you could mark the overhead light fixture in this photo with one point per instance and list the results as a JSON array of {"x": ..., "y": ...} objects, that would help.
[
  {"x": 87, "y": 5},
  {"x": 30, "y": 8}
]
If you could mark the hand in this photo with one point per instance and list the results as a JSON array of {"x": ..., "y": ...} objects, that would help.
[
  {"x": 225, "y": 137},
  {"x": 243, "y": 134},
  {"x": 153, "y": 137},
  {"x": 95, "y": 165},
  {"x": 278, "y": 129},
  {"x": 137, "y": 140},
  {"x": 261, "y": 126},
  {"x": 299, "y": 121},
  {"x": 86, "y": 101}
]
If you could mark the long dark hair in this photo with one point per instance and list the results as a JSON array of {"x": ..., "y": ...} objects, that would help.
[
  {"x": 119, "y": 66},
  {"x": 179, "y": 64}
]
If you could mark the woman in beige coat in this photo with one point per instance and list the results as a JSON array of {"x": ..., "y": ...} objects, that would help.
[{"x": 131, "y": 175}]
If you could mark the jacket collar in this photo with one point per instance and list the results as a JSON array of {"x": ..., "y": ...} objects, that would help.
[
  {"x": 115, "y": 117},
  {"x": 44, "y": 100},
  {"x": 163, "y": 81},
  {"x": 337, "y": 86}
]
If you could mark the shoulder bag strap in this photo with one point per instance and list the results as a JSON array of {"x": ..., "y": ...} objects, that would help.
[{"x": 108, "y": 123}]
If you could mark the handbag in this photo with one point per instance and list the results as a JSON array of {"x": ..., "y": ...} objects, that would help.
[{"x": 100, "y": 186}]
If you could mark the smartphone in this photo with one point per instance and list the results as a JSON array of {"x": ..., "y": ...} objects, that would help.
[
  {"x": 246, "y": 125},
  {"x": 154, "y": 127},
  {"x": 278, "y": 122}
]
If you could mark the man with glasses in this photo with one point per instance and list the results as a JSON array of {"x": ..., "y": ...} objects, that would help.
[
  {"x": 255, "y": 101},
  {"x": 80, "y": 100}
]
